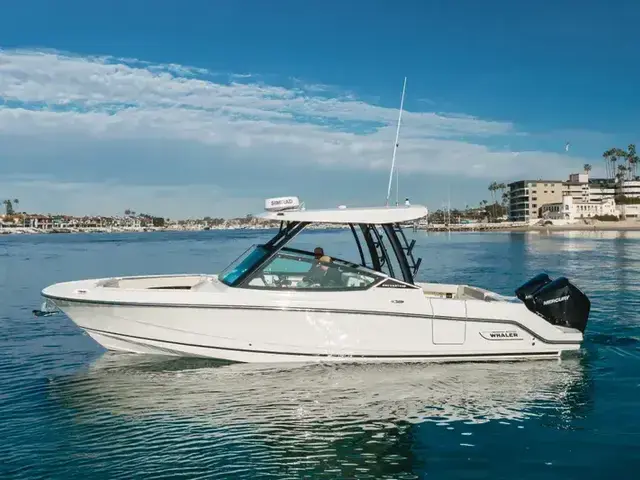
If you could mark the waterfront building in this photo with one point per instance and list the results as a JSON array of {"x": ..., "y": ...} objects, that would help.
[
  {"x": 527, "y": 196},
  {"x": 578, "y": 187},
  {"x": 570, "y": 210}
]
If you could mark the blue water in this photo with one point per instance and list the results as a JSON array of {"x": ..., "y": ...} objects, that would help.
[{"x": 70, "y": 410}]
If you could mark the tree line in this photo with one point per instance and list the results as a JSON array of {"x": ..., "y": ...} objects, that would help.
[{"x": 627, "y": 169}]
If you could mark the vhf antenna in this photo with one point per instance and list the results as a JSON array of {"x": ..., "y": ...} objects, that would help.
[{"x": 395, "y": 146}]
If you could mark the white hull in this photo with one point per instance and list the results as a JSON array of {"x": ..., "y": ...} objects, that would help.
[
  {"x": 212, "y": 320},
  {"x": 130, "y": 344}
]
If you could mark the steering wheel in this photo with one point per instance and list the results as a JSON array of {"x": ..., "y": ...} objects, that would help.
[
  {"x": 276, "y": 279},
  {"x": 282, "y": 282}
]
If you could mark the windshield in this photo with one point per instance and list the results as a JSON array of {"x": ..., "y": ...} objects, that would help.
[
  {"x": 296, "y": 269},
  {"x": 253, "y": 255}
]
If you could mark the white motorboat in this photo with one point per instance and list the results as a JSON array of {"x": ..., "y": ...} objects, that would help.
[{"x": 276, "y": 303}]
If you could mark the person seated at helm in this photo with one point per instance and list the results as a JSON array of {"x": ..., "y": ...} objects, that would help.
[
  {"x": 325, "y": 274},
  {"x": 318, "y": 253},
  {"x": 314, "y": 271}
]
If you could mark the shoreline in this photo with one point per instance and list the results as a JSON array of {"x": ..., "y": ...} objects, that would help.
[
  {"x": 116, "y": 230},
  {"x": 625, "y": 226},
  {"x": 598, "y": 227},
  {"x": 538, "y": 230}
]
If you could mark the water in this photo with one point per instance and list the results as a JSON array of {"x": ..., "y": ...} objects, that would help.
[{"x": 70, "y": 410}]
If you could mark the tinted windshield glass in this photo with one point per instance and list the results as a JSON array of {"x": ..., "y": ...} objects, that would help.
[
  {"x": 290, "y": 263},
  {"x": 244, "y": 262},
  {"x": 302, "y": 270}
]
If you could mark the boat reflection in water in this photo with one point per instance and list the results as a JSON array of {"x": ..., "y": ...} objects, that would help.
[{"x": 336, "y": 418}]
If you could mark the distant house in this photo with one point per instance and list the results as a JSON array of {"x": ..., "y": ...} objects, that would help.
[
  {"x": 571, "y": 209},
  {"x": 41, "y": 222}
]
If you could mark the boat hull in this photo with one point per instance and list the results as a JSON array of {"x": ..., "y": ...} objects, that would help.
[{"x": 241, "y": 333}]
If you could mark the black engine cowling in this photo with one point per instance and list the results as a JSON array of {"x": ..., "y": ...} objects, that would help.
[
  {"x": 557, "y": 301},
  {"x": 526, "y": 290}
]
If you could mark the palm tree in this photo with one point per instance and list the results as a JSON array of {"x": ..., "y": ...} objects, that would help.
[
  {"x": 587, "y": 168},
  {"x": 504, "y": 195},
  {"x": 632, "y": 159},
  {"x": 622, "y": 170},
  {"x": 24, "y": 218},
  {"x": 8, "y": 205},
  {"x": 493, "y": 188},
  {"x": 611, "y": 157},
  {"x": 605, "y": 155},
  {"x": 623, "y": 155}
]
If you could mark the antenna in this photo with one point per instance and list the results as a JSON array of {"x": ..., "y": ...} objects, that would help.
[
  {"x": 395, "y": 146},
  {"x": 397, "y": 187},
  {"x": 449, "y": 206}
]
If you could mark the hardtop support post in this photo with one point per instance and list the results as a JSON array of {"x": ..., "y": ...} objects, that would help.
[
  {"x": 399, "y": 252},
  {"x": 383, "y": 250},
  {"x": 375, "y": 259},
  {"x": 273, "y": 246},
  {"x": 355, "y": 235}
]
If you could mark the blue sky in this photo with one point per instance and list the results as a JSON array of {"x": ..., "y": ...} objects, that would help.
[{"x": 207, "y": 107}]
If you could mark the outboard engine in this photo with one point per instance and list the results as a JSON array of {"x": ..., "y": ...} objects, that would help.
[
  {"x": 525, "y": 291},
  {"x": 557, "y": 301}
]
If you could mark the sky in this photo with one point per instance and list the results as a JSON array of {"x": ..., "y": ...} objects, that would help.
[{"x": 207, "y": 107}]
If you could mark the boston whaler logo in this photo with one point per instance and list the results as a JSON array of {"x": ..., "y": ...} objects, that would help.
[{"x": 501, "y": 335}]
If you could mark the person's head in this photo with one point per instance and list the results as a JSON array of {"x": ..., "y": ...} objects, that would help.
[
  {"x": 318, "y": 252},
  {"x": 325, "y": 260}
]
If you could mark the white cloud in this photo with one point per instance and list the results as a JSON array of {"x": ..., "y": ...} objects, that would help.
[{"x": 74, "y": 99}]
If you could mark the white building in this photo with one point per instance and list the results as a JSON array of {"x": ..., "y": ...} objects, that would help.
[
  {"x": 601, "y": 188},
  {"x": 578, "y": 197},
  {"x": 581, "y": 187},
  {"x": 577, "y": 187},
  {"x": 571, "y": 210},
  {"x": 629, "y": 188},
  {"x": 41, "y": 222}
]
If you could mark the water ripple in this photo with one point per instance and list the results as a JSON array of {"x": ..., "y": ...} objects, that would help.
[
  {"x": 245, "y": 421},
  {"x": 68, "y": 409}
]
